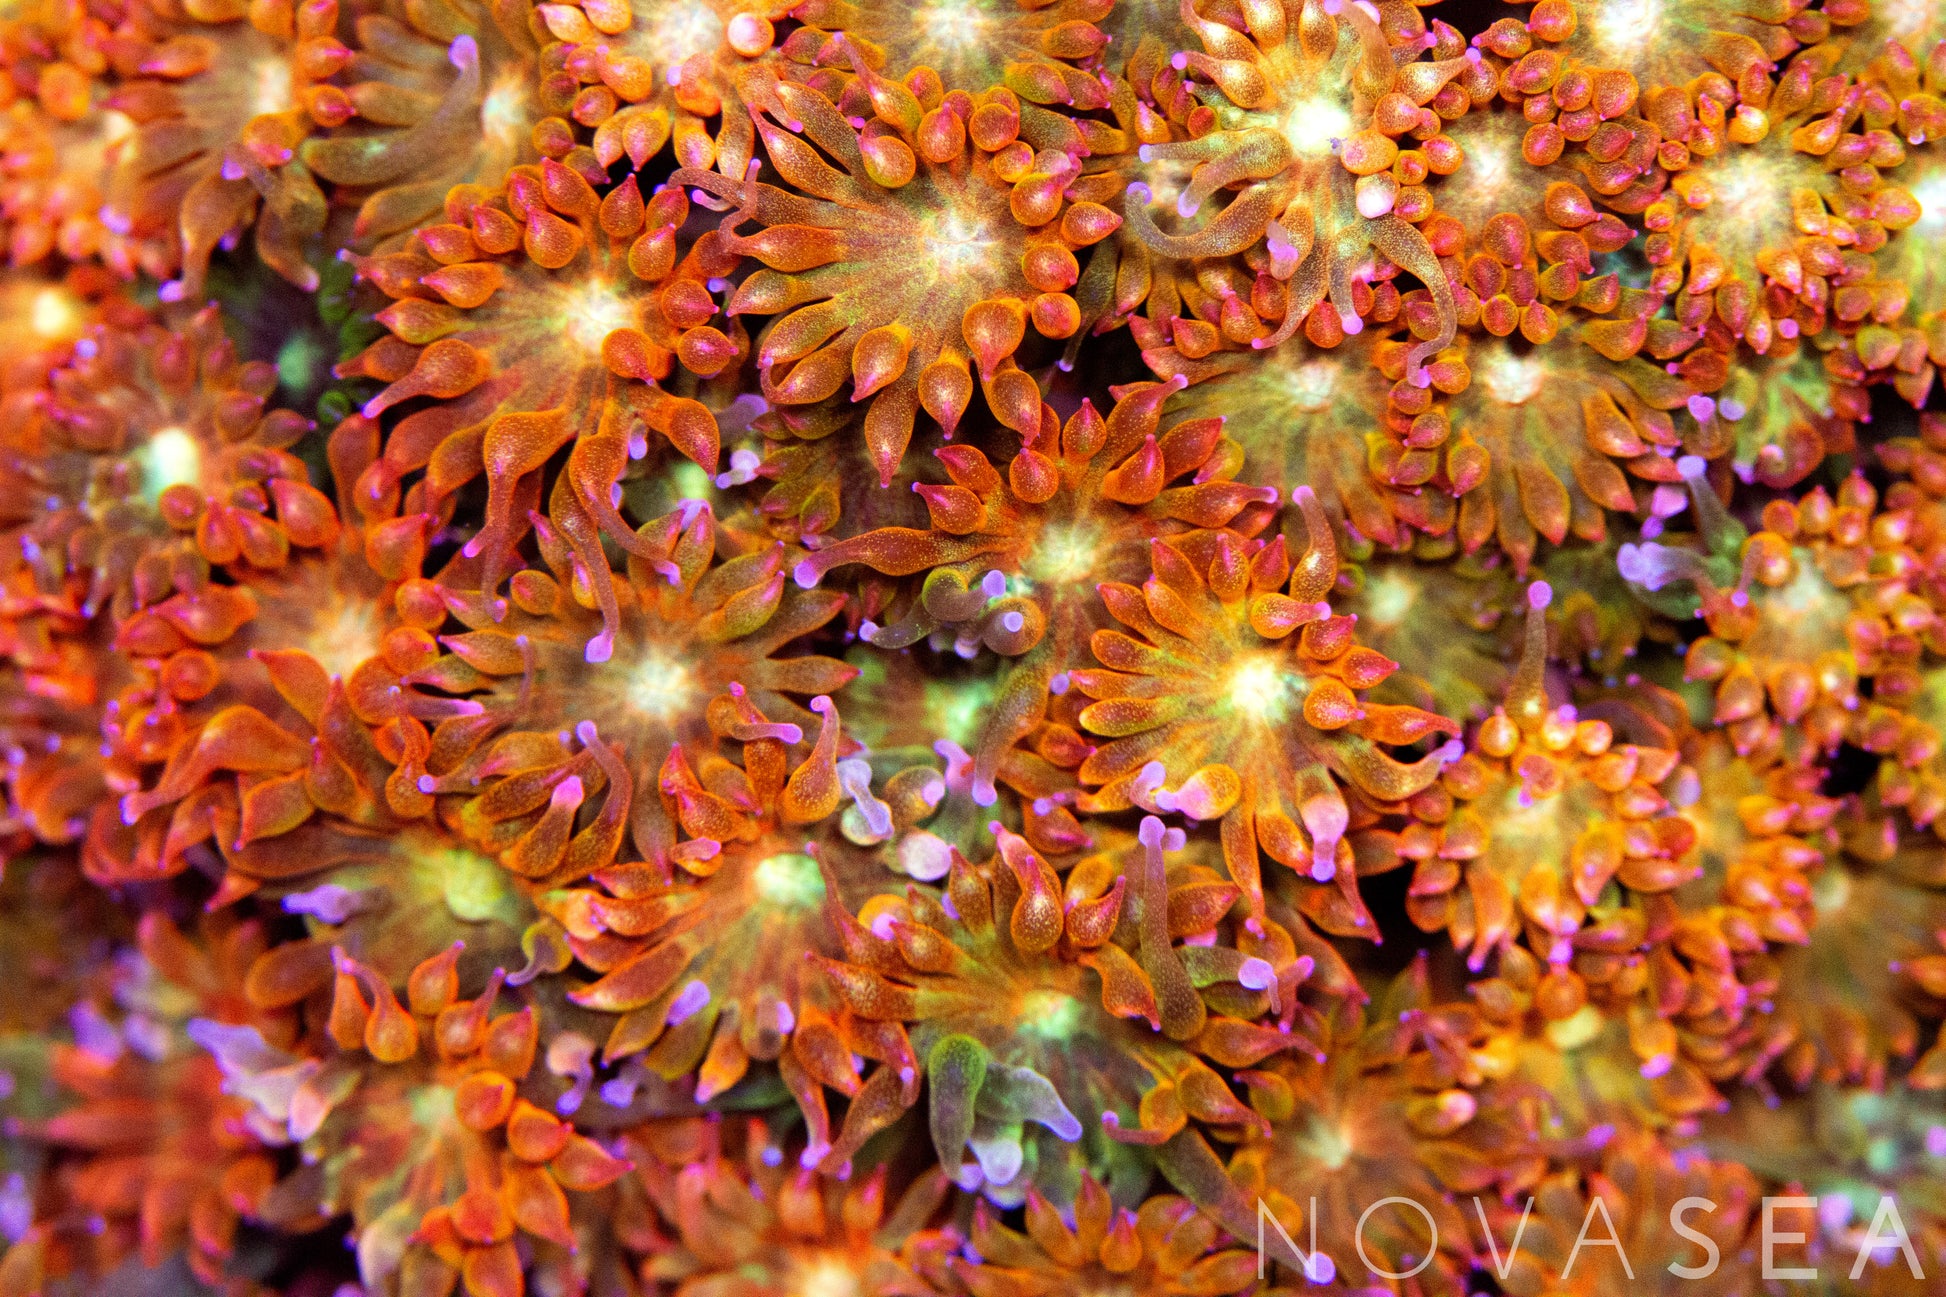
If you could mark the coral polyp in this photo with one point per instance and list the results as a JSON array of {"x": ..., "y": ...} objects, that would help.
[
  {"x": 437, "y": 102},
  {"x": 1234, "y": 694},
  {"x": 1305, "y": 109},
  {"x": 220, "y": 107},
  {"x": 653, "y": 647},
  {"x": 938, "y": 237}
]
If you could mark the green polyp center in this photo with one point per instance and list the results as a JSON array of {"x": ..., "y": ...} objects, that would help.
[
  {"x": 1050, "y": 1014},
  {"x": 1261, "y": 688},
  {"x": 172, "y": 457},
  {"x": 789, "y": 878},
  {"x": 475, "y": 888},
  {"x": 1577, "y": 1029}
]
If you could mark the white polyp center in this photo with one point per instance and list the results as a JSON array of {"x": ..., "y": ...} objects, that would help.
[
  {"x": 346, "y": 637},
  {"x": 271, "y": 79},
  {"x": 824, "y": 1276},
  {"x": 593, "y": 311},
  {"x": 53, "y": 314},
  {"x": 1746, "y": 186},
  {"x": 683, "y": 31},
  {"x": 958, "y": 26},
  {"x": 1313, "y": 125},
  {"x": 1931, "y": 196},
  {"x": 660, "y": 687},
  {"x": 1328, "y": 1142},
  {"x": 1511, "y": 379},
  {"x": 503, "y": 113},
  {"x": 1905, "y": 18},
  {"x": 172, "y": 458},
  {"x": 1388, "y": 601},
  {"x": 1490, "y": 164},
  {"x": 956, "y": 244},
  {"x": 1831, "y": 892},
  {"x": 1065, "y": 554},
  {"x": 1627, "y": 24},
  {"x": 789, "y": 878},
  {"x": 1260, "y": 688},
  {"x": 1309, "y": 386}
]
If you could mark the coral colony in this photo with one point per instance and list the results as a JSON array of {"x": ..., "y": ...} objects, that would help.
[{"x": 972, "y": 648}]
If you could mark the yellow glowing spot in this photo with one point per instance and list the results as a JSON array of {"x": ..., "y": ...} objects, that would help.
[
  {"x": 961, "y": 26},
  {"x": 789, "y": 878},
  {"x": 1309, "y": 386},
  {"x": 686, "y": 30},
  {"x": 272, "y": 78},
  {"x": 660, "y": 687},
  {"x": 592, "y": 312},
  {"x": 824, "y": 1276},
  {"x": 503, "y": 113},
  {"x": 1051, "y": 1015},
  {"x": 1577, "y": 1029},
  {"x": 1627, "y": 24},
  {"x": 1312, "y": 125},
  {"x": 54, "y": 315},
  {"x": 474, "y": 887},
  {"x": 956, "y": 245},
  {"x": 1261, "y": 689},
  {"x": 1328, "y": 1142},
  {"x": 346, "y": 637},
  {"x": 1511, "y": 379},
  {"x": 172, "y": 458},
  {"x": 1931, "y": 194}
]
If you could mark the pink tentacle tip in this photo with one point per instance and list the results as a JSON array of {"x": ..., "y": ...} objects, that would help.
[
  {"x": 1691, "y": 467},
  {"x": 587, "y": 733},
  {"x": 463, "y": 53},
  {"x": 821, "y": 704},
  {"x": 1151, "y": 832},
  {"x": 1539, "y": 595},
  {"x": 806, "y": 574}
]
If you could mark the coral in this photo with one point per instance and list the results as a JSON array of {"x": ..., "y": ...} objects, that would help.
[
  {"x": 440, "y": 97},
  {"x": 1006, "y": 557},
  {"x": 542, "y": 317},
  {"x": 1028, "y": 47},
  {"x": 1024, "y": 1009},
  {"x": 1548, "y": 828},
  {"x": 1165, "y": 1247},
  {"x": 719, "y": 1221},
  {"x": 574, "y": 694},
  {"x": 912, "y": 256},
  {"x": 556, "y": 741},
  {"x": 660, "y": 69},
  {"x": 1246, "y": 700},
  {"x": 1852, "y": 1148},
  {"x": 1638, "y": 1180},
  {"x": 1282, "y": 93},
  {"x": 1390, "y": 1114},
  {"x": 221, "y": 103},
  {"x": 156, "y": 461},
  {"x": 151, "y": 1157},
  {"x": 1840, "y": 1008},
  {"x": 706, "y": 969}
]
